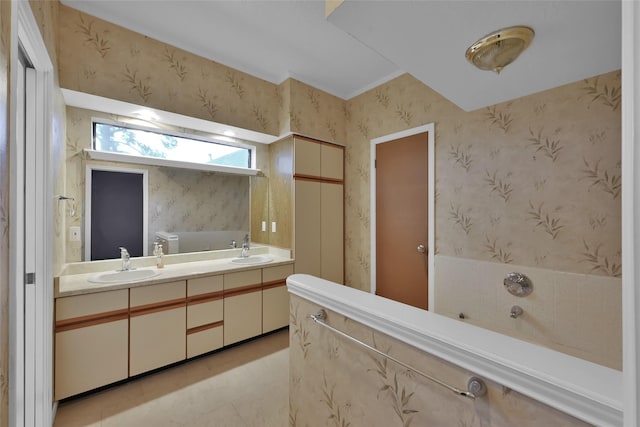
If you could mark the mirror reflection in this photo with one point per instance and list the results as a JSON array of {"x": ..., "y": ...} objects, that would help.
[{"x": 189, "y": 210}]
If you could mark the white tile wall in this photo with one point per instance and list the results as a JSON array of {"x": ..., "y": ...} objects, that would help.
[{"x": 578, "y": 314}]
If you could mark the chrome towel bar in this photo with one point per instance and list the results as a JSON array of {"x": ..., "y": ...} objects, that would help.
[{"x": 474, "y": 382}]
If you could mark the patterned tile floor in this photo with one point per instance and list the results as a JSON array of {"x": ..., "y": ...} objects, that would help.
[{"x": 243, "y": 386}]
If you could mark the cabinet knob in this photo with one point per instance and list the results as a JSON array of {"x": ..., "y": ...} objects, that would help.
[{"x": 422, "y": 249}]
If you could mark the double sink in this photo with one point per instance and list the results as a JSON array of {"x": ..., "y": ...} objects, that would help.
[{"x": 130, "y": 276}]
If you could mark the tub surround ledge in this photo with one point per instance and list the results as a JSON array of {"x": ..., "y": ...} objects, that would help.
[{"x": 582, "y": 389}]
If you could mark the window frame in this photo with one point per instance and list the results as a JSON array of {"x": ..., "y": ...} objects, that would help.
[{"x": 219, "y": 140}]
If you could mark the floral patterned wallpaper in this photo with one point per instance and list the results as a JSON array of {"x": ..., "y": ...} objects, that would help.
[
  {"x": 179, "y": 200},
  {"x": 5, "y": 34},
  {"x": 107, "y": 60},
  {"x": 315, "y": 113},
  {"x": 534, "y": 181},
  {"x": 333, "y": 382}
]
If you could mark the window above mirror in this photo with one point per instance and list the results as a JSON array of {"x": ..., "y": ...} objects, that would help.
[{"x": 124, "y": 138}]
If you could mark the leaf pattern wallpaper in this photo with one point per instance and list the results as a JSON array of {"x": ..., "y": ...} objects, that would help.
[
  {"x": 107, "y": 60},
  {"x": 316, "y": 113},
  {"x": 334, "y": 382},
  {"x": 534, "y": 181}
]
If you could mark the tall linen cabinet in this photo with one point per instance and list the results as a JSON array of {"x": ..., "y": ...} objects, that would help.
[{"x": 306, "y": 201}]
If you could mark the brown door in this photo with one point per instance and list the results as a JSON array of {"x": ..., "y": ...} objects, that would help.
[{"x": 402, "y": 220}]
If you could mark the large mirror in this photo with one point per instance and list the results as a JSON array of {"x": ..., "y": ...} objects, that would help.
[{"x": 206, "y": 210}]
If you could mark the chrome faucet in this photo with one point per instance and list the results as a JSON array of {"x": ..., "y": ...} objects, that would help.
[
  {"x": 245, "y": 247},
  {"x": 516, "y": 311},
  {"x": 126, "y": 259}
]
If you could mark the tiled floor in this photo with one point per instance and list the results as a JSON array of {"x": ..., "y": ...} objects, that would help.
[{"x": 243, "y": 386}]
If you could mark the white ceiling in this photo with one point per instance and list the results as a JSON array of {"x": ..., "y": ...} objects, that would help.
[{"x": 365, "y": 43}]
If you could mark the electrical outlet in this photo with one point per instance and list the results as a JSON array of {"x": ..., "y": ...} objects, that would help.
[
  {"x": 74, "y": 234},
  {"x": 273, "y": 227},
  {"x": 264, "y": 225}
]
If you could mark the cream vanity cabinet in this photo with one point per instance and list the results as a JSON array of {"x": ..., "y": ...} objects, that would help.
[
  {"x": 205, "y": 315},
  {"x": 105, "y": 337},
  {"x": 306, "y": 193},
  {"x": 242, "y": 305},
  {"x": 275, "y": 297},
  {"x": 91, "y": 341},
  {"x": 157, "y": 326},
  {"x": 319, "y": 209}
]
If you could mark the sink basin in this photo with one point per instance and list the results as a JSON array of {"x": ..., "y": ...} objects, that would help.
[
  {"x": 252, "y": 260},
  {"x": 123, "y": 276}
]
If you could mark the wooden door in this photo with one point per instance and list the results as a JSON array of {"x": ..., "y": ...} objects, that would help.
[{"x": 402, "y": 220}]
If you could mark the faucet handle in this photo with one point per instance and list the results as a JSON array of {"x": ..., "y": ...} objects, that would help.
[{"x": 123, "y": 251}]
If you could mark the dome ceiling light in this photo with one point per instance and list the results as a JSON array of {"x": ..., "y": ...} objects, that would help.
[{"x": 500, "y": 48}]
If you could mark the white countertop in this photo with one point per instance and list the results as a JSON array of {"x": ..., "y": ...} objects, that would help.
[{"x": 74, "y": 279}]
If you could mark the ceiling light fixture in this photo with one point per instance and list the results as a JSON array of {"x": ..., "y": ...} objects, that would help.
[{"x": 500, "y": 48}]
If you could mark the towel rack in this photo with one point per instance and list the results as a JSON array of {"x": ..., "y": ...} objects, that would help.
[{"x": 475, "y": 384}]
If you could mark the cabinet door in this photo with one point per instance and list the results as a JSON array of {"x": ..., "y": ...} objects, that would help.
[
  {"x": 306, "y": 157},
  {"x": 331, "y": 161},
  {"x": 275, "y": 297},
  {"x": 242, "y": 317},
  {"x": 91, "y": 341},
  {"x": 242, "y": 305},
  {"x": 306, "y": 250},
  {"x": 332, "y": 232},
  {"x": 204, "y": 315},
  {"x": 157, "y": 326}
]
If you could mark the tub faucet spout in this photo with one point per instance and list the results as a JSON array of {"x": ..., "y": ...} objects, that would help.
[{"x": 516, "y": 311}]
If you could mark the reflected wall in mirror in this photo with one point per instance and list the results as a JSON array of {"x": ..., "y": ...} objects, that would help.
[
  {"x": 179, "y": 199},
  {"x": 260, "y": 222}
]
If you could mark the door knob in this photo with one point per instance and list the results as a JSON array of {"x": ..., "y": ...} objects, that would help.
[{"x": 421, "y": 248}]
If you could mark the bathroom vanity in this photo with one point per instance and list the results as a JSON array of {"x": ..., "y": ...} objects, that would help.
[{"x": 197, "y": 303}]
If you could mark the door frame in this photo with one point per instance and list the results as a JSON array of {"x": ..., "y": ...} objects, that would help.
[
  {"x": 90, "y": 167},
  {"x": 26, "y": 36},
  {"x": 430, "y": 129}
]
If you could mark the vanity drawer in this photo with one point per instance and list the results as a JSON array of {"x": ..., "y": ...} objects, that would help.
[
  {"x": 204, "y": 313},
  {"x": 154, "y": 294},
  {"x": 205, "y": 285},
  {"x": 95, "y": 303},
  {"x": 200, "y": 342},
  {"x": 280, "y": 272},
  {"x": 242, "y": 278}
]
